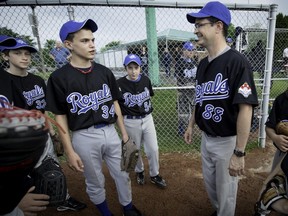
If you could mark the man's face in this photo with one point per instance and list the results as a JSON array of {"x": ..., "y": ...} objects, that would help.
[
  {"x": 58, "y": 44},
  {"x": 204, "y": 31}
]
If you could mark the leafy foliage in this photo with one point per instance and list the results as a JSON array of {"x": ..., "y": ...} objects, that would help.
[
  {"x": 49, "y": 45},
  {"x": 110, "y": 45}
]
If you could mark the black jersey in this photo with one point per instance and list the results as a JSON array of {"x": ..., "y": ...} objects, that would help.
[
  {"x": 136, "y": 96},
  {"x": 27, "y": 92},
  {"x": 6, "y": 91},
  {"x": 279, "y": 111},
  {"x": 86, "y": 99},
  {"x": 185, "y": 71},
  {"x": 221, "y": 85}
]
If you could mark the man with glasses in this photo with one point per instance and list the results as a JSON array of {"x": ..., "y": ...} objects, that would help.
[{"x": 224, "y": 101}]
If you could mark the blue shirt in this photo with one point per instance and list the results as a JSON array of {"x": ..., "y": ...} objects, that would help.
[{"x": 60, "y": 54}]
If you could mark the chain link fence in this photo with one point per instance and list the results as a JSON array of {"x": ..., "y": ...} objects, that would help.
[{"x": 125, "y": 29}]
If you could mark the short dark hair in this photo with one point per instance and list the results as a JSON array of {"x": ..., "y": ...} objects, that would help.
[
  {"x": 70, "y": 36},
  {"x": 225, "y": 26}
]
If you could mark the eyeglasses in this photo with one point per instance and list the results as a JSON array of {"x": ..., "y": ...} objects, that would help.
[{"x": 198, "y": 25}]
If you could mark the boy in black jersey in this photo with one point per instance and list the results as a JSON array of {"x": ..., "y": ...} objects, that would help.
[
  {"x": 224, "y": 100},
  {"x": 137, "y": 110},
  {"x": 185, "y": 72},
  {"x": 29, "y": 92},
  {"x": 84, "y": 96}
]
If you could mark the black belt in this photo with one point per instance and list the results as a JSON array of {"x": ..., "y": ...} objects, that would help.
[
  {"x": 135, "y": 117},
  {"x": 97, "y": 126}
]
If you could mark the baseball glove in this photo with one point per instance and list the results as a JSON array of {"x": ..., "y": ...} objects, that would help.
[
  {"x": 58, "y": 147},
  {"x": 130, "y": 155},
  {"x": 282, "y": 128},
  {"x": 49, "y": 179},
  {"x": 23, "y": 136},
  {"x": 274, "y": 191}
]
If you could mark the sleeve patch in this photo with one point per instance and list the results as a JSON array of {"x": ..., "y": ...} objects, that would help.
[{"x": 245, "y": 90}]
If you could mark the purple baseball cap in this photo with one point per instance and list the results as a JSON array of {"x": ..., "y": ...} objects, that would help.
[
  {"x": 7, "y": 41},
  {"x": 188, "y": 46},
  {"x": 73, "y": 26},
  {"x": 19, "y": 44},
  {"x": 229, "y": 40},
  {"x": 212, "y": 9},
  {"x": 132, "y": 58}
]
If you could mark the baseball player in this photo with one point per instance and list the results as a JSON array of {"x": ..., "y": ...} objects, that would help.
[
  {"x": 136, "y": 109},
  {"x": 84, "y": 95},
  {"x": 29, "y": 92},
  {"x": 278, "y": 113},
  {"x": 224, "y": 100},
  {"x": 185, "y": 72}
]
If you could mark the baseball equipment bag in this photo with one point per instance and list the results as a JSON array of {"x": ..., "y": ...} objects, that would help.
[
  {"x": 49, "y": 179},
  {"x": 130, "y": 155},
  {"x": 23, "y": 136},
  {"x": 282, "y": 127},
  {"x": 58, "y": 147}
]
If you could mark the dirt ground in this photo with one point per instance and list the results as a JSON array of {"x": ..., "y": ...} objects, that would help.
[{"x": 185, "y": 194}]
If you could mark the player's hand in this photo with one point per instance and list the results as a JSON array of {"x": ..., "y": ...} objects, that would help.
[
  {"x": 188, "y": 135},
  {"x": 75, "y": 162},
  {"x": 281, "y": 142},
  {"x": 236, "y": 166},
  {"x": 33, "y": 203}
]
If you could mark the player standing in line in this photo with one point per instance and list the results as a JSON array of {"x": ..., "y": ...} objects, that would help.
[
  {"x": 224, "y": 100},
  {"x": 28, "y": 91},
  {"x": 185, "y": 73},
  {"x": 84, "y": 95},
  {"x": 136, "y": 109},
  {"x": 278, "y": 113}
]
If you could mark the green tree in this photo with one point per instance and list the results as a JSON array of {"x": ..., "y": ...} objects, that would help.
[
  {"x": 231, "y": 31},
  {"x": 49, "y": 45},
  {"x": 110, "y": 45}
]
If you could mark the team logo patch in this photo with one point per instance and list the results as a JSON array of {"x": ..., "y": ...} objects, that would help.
[{"x": 245, "y": 90}]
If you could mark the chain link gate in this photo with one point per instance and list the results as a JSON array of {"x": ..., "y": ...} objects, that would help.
[{"x": 122, "y": 29}]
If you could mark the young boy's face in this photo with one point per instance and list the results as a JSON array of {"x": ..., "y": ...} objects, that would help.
[
  {"x": 19, "y": 58},
  {"x": 133, "y": 70},
  {"x": 82, "y": 46},
  {"x": 188, "y": 53}
]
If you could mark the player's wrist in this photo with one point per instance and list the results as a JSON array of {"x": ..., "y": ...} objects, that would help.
[{"x": 239, "y": 153}]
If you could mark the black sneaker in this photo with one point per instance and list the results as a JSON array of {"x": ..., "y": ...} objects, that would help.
[
  {"x": 132, "y": 212},
  {"x": 71, "y": 204},
  {"x": 158, "y": 181},
  {"x": 140, "y": 178}
]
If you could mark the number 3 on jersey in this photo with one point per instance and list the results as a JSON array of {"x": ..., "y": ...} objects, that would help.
[
  {"x": 107, "y": 111},
  {"x": 213, "y": 112}
]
